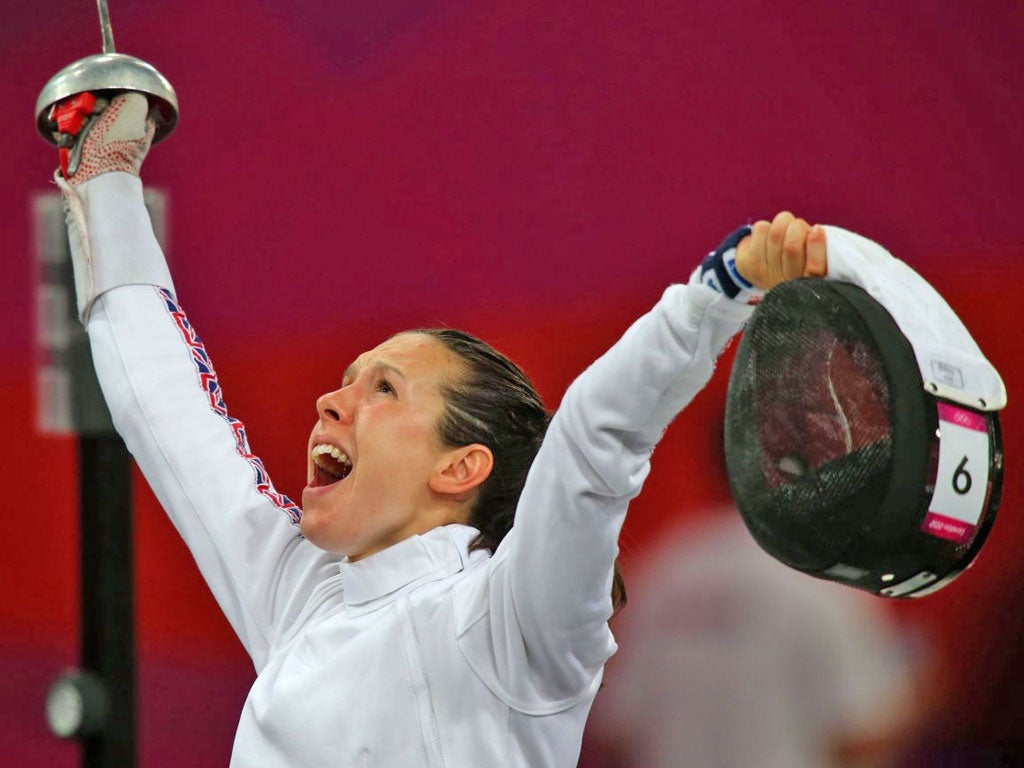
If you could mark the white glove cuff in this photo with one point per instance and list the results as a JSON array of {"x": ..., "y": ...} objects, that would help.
[{"x": 111, "y": 237}]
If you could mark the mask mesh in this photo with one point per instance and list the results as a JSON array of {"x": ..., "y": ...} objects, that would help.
[{"x": 807, "y": 428}]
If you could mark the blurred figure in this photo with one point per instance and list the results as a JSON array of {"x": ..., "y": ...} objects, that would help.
[
  {"x": 730, "y": 659},
  {"x": 979, "y": 720}
]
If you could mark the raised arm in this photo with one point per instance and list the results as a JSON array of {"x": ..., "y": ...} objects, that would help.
[
  {"x": 538, "y": 624},
  {"x": 165, "y": 397}
]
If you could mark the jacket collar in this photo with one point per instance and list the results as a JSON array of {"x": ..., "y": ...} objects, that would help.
[{"x": 428, "y": 557}]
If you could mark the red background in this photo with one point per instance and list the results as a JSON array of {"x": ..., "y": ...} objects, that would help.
[{"x": 533, "y": 172}]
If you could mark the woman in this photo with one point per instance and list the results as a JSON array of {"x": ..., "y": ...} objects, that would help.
[{"x": 411, "y": 623}]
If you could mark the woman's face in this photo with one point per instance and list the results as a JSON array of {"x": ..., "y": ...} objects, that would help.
[{"x": 375, "y": 446}]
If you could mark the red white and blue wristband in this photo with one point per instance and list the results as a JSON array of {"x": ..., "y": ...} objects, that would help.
[{"x": 718, "y": 271}]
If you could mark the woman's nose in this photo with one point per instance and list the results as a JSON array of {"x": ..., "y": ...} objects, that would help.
[{"x": 334, "y": 406}]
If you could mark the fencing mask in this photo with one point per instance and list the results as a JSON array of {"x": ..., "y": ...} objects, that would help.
[{"x": 861, "y": 430}]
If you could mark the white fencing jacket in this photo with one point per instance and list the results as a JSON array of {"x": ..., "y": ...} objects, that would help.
[{"x": 423, "y": 654}]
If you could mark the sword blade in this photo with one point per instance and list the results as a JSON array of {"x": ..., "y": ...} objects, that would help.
[{"x": 108, "y": 33}]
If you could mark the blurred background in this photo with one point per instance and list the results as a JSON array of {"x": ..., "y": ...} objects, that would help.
[{"x": 536, "y": 173}]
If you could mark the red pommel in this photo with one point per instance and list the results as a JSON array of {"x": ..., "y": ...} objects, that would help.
[{"x": 68, "y": 116}]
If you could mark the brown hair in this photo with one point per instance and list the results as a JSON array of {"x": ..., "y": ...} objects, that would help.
[{"x": 495, "y": 404}]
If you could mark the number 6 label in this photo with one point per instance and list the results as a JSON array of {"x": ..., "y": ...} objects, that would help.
[{"x": 962, "y": 479}]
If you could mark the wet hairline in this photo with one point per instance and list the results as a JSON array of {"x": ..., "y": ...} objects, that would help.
[{"x": 449, "y": 385}]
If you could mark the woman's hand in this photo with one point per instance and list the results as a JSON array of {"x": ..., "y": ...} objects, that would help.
[
  {"x": 115, "y": 136},
  {"x": 784, "y": 249}
]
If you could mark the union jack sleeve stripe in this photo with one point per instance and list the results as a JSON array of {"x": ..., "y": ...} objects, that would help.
[{"x": 211, "y": 386}]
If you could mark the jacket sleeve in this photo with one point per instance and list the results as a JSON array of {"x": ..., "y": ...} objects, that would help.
[
  {"x": 535, "y": 626},
  {"x": 167, "y": 404}
]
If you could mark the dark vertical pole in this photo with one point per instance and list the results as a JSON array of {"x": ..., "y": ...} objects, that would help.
[
  {"x": 108, "y": 636},
  {"x": 70, "y": 402}
]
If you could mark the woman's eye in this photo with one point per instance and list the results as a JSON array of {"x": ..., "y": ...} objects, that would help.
[{"x": 385, "y": 387}]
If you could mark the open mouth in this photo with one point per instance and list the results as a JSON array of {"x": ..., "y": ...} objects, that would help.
[{"x": 330, "y": 465}]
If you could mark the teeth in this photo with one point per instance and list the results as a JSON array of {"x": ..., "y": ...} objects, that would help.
[
  {"x": 321, "y": 450},
  {"x": 332, "y": 451}
]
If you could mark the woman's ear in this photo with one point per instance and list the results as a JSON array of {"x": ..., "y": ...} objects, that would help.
[{"x": 462, "y": 470}]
